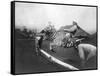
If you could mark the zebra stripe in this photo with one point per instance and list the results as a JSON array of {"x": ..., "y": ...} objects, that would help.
[
  {"x": 50, "y": 33},
  {"x": 53, "y": 35}
]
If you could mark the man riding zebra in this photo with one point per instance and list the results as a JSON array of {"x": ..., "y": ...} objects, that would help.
[{"x": 57, "y": 38}]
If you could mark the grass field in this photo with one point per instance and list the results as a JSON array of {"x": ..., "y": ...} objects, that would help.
[{"x": 26, "y": 60}]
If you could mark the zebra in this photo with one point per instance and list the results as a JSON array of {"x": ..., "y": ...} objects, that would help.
[
  {"x": 50, "y": 34},
  {"x": 55, "y": 37}
]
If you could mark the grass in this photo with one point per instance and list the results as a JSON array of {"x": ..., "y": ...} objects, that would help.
[{"x": 26, "y": 60}]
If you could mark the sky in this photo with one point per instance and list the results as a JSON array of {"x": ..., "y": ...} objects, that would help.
[{"x": 37, "y": 16}]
